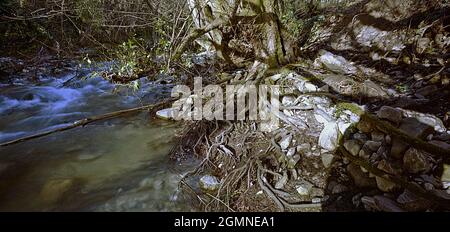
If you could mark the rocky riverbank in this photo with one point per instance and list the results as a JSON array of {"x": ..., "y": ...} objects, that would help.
[
  {"x": 304, "y": 169},
  {"x": 365, "y": 121}
]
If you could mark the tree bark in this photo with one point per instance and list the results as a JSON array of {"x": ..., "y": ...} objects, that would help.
[{"x": 240, "y": 29}]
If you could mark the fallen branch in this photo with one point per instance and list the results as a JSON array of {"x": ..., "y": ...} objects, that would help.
[
  {"x": 86, "y": 121},
  {"x": 279, "y": 201}
]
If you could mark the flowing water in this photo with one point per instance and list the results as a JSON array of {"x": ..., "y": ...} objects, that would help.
[{"x": 114, "y": 165}]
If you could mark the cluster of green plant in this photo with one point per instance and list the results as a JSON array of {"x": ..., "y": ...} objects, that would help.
[
  {"x": 289, "y": 18},
  {"x": 93, "y": 23},
  {"x": 343, "y": 106},
  {"x": 164, "y": 44},
  {"x": 131, "y": 58},
  {"x": 128, "y": 60}
]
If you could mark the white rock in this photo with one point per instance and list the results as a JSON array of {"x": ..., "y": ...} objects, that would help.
[
  {"x": 165, "y": 114},
  {"x": 288, "y": 113},
  {"x": 269, "y": 126},
  {"x": 354, "y": 118},
  {"x": 370, "y": 36},
  {"x": 322, "y": 116},
  {"x": 276, "y": 77},
  {"x": 428, "y": 119},
  {"x": 322, "y": 102},
  {"x": 336, "y": 63},
  {"x": 291, "y": 152},
  {"x": 282, "y": 182},
  {"x": 294, "y": 76},
  {"x": 306, "y": 87},
  {"x": 285, "y": 141},
  {"x": 320, "y": 119},
  {"x": 310, "y": 87},
  {"x": 209, "y": 183},
  {"x": 343, "y": 126},
  {"x": 304, "y": 188},
  {"x": 328, "y": 138},
  {"x": 288, "y": 100}
]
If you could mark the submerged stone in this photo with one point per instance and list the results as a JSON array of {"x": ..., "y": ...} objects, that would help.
[{"x": 55, "y": 189}]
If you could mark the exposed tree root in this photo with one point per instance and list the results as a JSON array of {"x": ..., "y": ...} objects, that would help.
[
  {"x": 267, "y": 190},
  {"x": 273, "y": 194}
]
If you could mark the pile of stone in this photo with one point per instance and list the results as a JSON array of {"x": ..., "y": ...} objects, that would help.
[{"x": 396, "y": 157}]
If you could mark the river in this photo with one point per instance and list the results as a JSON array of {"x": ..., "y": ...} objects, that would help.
[{"x": 114, "y": 165}]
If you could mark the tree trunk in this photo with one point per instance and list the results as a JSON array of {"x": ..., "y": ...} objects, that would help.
[{"x": 251, "y": 30}]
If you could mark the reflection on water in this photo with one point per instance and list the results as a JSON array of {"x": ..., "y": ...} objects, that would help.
[{"x": 116, "y": 165}]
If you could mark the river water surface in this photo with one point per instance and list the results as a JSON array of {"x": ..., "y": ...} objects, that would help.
[{"x": 114, "y": 165}]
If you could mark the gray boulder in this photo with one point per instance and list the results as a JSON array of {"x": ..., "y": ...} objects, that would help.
[
  {"x": 416, "y": 161},
  {"x": 353, "y": 147},
  {"x": 383, "y": 184},
  {"x": 360, "y": 178},
  {"x": 390, "y": 114},
  {"x": 411, "y": 127}
]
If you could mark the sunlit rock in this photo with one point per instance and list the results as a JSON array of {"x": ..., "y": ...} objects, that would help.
[
  {"x": 335, "y": 63},
  {"x": 328, "y": 138}
]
